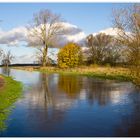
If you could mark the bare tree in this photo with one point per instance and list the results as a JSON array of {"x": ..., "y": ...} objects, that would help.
[
  {"x": 7, "y": 58},
  {"x": 103, "y": 49},
  {"x": 92, "y": 51},
  {"x": 44, "y": 31},
  {"x": 127, "y": 20}
]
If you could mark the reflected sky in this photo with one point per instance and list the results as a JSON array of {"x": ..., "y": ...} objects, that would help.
[{"x": 69, "y": 105}]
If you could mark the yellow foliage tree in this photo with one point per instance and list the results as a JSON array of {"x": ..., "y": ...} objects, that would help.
[{"x": 70, "y": 56}]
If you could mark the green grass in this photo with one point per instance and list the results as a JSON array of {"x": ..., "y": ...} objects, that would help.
[
  {"x": 9, "y": 94},
  {"x": 112, "y": 73},
  {"x": 100, "y": 72}
]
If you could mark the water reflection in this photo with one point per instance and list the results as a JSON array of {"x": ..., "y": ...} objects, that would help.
[
  {"x": 99, "y": 91},
  {"x": 107, "y": 91},
  {"x": 131, "y": 123},
  {"x": 45, "y": 109},
  {"x": 6, "y": 71},
  {"x": 44, "y": 80},
  {"x": 66, "y": 105},
  {"x": 45, "y": 93},
  {"x": 70, "y": 85}
]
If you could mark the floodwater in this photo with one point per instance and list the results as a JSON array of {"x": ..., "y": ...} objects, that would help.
[{"x": 67, "y": 105}]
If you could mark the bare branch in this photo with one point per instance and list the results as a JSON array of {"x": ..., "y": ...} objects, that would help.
[{"x": 44, "y": 30}]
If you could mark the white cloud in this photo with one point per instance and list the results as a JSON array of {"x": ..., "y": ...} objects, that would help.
[
  {"x": 111, "y": 31},
  {"x": 72, "y": 34},
  {"x": 16, "y": 35},
  {"x": 108, "y": 31},
  {"x": 13, "y": 37},
  {"x": 76, "y": 35}
]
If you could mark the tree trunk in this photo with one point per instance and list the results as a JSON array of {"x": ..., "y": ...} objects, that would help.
[{"x": 45, "y": 51}]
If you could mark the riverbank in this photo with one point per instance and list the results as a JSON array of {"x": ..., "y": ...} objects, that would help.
[
  {"x": 1, "y": 82},
  {"x": 113, "y": 73},
  {"x": 10, "y": 91}
]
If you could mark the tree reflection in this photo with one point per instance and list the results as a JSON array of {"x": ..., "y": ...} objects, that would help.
[
  {"x": 105, "y": 91},
  {"x": 40, "y": 92},
  {"x": 98, "y": 91},
  {"x": 6, "y": 71},
  {"x": 44, "y": 79},
  {"x": 47, "y": 108},
  {"x": 70, "y": 85}
]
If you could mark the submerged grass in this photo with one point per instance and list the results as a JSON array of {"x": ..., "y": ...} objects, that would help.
[{"x": 9, "y": 93}]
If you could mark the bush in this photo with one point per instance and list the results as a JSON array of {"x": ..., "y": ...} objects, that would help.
[{"x": 70, "y": 56}]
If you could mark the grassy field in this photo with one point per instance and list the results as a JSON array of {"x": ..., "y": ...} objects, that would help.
[
  {"x": 116, "y": 73},
  {"x": 9, "y": 93}
]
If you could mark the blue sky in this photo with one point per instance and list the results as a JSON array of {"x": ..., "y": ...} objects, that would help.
[{"x": 90, "y": 17}]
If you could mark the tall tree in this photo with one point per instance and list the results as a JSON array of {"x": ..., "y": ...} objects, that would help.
[
  {"x": 44, "y": 31},
  {"x": 102, "y": 48},
  {"x": 127, "y": 20}
]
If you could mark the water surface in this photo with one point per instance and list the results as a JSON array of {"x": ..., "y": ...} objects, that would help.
[{"x": 68, "y": 105}]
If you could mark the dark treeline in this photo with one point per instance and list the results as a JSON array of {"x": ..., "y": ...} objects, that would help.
[{"x": 16, "y": 65}]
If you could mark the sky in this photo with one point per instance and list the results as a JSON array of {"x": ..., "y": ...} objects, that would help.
[{"x": 89, "y": 17}]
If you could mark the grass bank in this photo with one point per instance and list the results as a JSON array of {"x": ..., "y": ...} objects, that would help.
[
  {"x": 9, "y": 93},
  {"x": 113, "y": 73}
]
